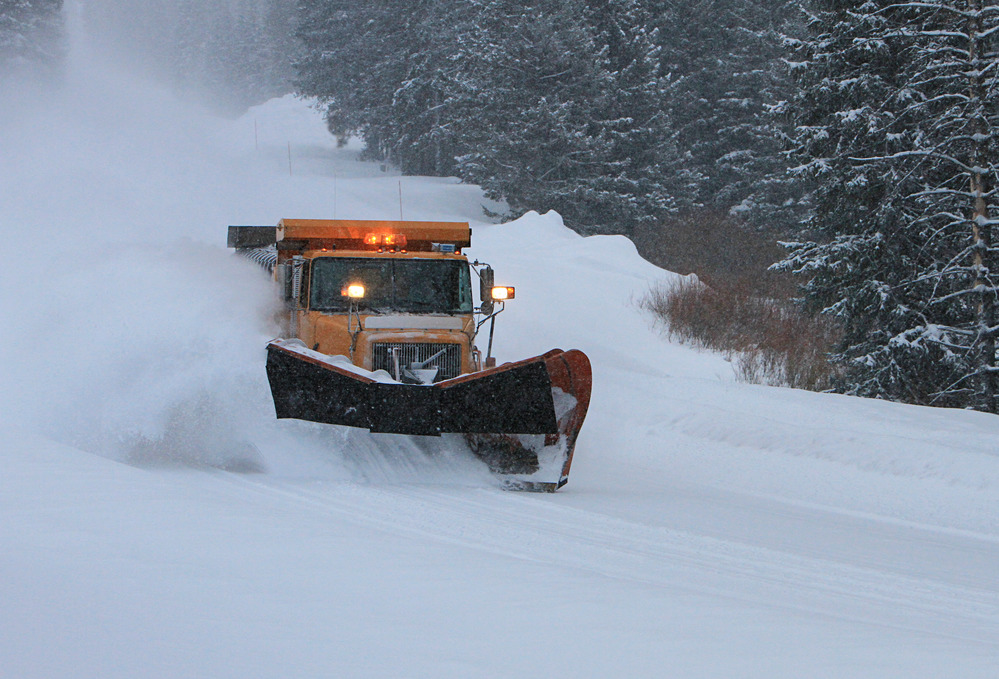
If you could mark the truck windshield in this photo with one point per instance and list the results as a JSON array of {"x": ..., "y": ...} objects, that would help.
[{"x": 392, "y": 285}]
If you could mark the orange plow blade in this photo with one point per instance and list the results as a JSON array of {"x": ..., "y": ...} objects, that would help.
[{"x": 541, "y": 463}]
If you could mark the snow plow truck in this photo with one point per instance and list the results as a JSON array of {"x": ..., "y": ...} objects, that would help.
[{"x": 381, "y": 329}]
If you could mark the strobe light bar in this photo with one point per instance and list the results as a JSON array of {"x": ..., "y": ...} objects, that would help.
[
  {"x": 295, "y": 236},
  {"x": 386, "y": 241}
]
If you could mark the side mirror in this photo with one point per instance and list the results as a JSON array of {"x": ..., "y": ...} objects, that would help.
[{"x": 486, "y": 279}]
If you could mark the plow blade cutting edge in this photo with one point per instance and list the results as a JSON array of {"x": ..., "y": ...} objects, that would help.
[{"x": 521, "y": 418}]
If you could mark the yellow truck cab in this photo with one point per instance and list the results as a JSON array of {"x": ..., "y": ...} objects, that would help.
[{"x": 388, "y": 295}]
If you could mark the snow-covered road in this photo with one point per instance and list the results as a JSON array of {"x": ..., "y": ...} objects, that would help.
[{"x": 124, "y": 572}]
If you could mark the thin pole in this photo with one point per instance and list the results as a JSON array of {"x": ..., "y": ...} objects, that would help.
[{"x": 489, "y": 349}]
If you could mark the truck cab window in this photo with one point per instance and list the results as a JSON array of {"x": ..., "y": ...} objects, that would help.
[
  {"x": 433, "y": 286},
  {"x": 392, "y": 285}
]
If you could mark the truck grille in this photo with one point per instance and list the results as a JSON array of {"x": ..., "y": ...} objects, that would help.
[{"x": 449, "y": 363}]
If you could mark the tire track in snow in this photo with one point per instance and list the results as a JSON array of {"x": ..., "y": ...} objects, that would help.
[{"x": 536, "y": 529}]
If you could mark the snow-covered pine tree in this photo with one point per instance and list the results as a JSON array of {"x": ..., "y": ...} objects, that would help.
[
  {"x": 432, "y": 101},
  {"x": 355, "y": 57},
  {"x": 233, "y": 54},
  {"x": 330, "y": 66},
  {"x": 538, "y": 136},
  {"x": 279, "y": 21},
  {"x": 644, "y": 171},
  {"x": 30, "y": 32},
  {"x": 955, "y": 71},
  {"x": 230, "y": 54},
  {"x": 566, "y": 112},
  {"x": 375, "y": 69},
  {"x": 861, "y": 267},
  {"x": 725, "y": 61},
  {"x": 254, "y": 52},
  {"x": 553, "y": 104},
  {"x": 896, "y": 124},
  {"x": 191, "y": 61}
]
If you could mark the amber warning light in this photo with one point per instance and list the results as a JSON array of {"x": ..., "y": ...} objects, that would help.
[
  {"x": 354, "y": 291},
  {"x": 502, "y": 293},
  {"x": 395, "y": 241}
]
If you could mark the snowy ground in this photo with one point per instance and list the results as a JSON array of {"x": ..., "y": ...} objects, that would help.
[{"x": 156, "y": 521}]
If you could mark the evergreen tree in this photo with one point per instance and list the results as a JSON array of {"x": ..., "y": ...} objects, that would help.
[
  {"x": 228, "y": 53},
  {"x": 541, "y": 138},
  {"x": 648, "y": 171},
  {"x": 238, "y": 53},
  {"x": 30, "y": 32},
  {"x": 896, "y": 125},
  {"x": 390, "y": 71},
  {"x": 354, "y": 60},
  {"x": 552, "y": 104},
  {"x": 424, "y": 122},
  {"x": 725, "y": 60},
  {"x": 955, "y": 73}
]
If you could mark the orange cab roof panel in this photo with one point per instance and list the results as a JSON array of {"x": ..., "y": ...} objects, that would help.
[{"x": 354, "y": 230}]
